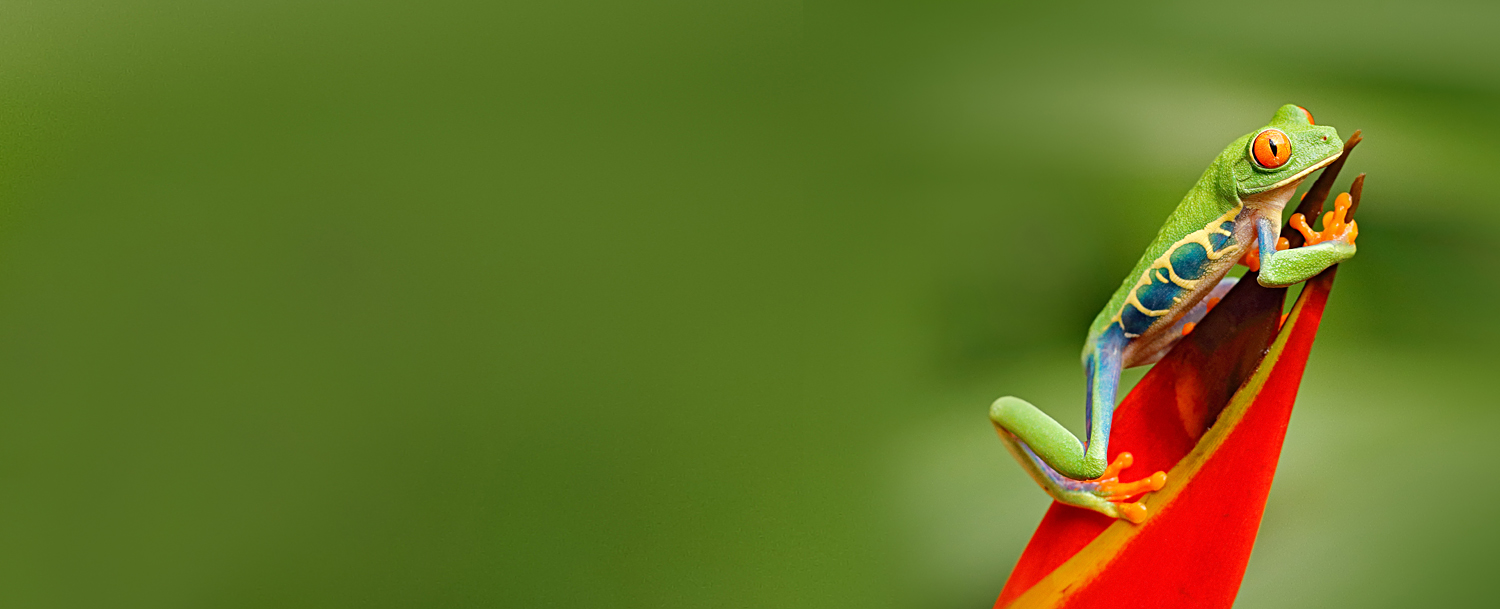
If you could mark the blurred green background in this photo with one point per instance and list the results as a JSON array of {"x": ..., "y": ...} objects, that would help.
[{"x": 686, "y": 304}]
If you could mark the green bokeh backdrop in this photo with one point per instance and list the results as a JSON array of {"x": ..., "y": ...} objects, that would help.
[{"x": 686, "y": 304}]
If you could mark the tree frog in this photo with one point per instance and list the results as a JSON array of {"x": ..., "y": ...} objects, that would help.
[{"x": 1236, "y": 205}]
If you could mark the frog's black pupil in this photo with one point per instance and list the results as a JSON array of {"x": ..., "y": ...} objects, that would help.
[{"x": 1272, "y": 141}]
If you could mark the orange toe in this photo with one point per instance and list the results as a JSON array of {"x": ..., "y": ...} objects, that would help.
[
  {"x": 1251, "y": 259},
  {"x": 1118, "y": 465},
  {"x": 1120, "y": 491},
  {"x": 1134, "y": 512}
]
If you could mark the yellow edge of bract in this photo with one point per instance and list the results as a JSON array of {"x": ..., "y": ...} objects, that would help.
[{"x": 1093, "y": 558}]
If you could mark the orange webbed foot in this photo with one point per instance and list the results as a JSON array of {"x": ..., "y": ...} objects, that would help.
[
  {"x": 1109, "y": 488},
  {"x": 1335, "y": 227}
]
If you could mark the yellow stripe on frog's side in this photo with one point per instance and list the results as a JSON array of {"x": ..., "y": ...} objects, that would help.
[{"x": 1164, "y": 263}]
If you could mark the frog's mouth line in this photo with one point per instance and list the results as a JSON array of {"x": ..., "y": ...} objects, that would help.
[{"x": 1304, "y": 172}]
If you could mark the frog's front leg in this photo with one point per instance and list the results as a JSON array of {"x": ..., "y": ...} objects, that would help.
[
  {"x": 1334, "y": 244},
  {"x": 1073, "y": 472}
]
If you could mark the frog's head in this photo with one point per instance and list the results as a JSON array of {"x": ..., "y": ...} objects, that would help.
[{"x": 1282, "y": 153}]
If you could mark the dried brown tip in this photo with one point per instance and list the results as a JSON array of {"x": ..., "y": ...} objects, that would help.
[{"x": 1354, "y": 191}]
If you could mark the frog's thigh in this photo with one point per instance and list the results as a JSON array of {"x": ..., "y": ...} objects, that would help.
[{"x": 1049, "y": 442}]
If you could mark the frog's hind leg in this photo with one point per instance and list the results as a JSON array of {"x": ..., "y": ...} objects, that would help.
[{"x": 1073, "y": 472}]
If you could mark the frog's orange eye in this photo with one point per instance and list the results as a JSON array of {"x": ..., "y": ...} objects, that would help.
[
  {"x": 1271, "y": 149},
  {"x": 1306, "y": 114}
]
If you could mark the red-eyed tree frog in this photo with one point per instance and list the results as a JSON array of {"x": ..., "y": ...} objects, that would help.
[{"x": 1235, "y": 205}]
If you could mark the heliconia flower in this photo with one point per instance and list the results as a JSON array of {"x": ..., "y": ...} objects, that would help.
[{"x": 1213, "y": 414}]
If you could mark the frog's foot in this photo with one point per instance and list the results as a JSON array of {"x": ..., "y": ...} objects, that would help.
[
  {"x": 1335, "y": 227},
  {"x": 1109, "y": 488},
  {"x": 1105, "y": 493}
]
